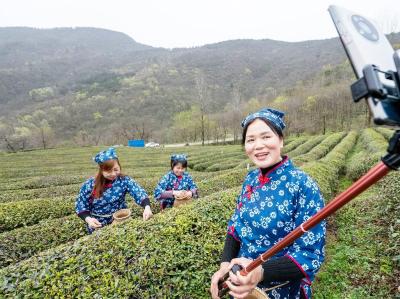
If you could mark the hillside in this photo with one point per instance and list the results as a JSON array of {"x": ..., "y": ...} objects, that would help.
[{"x": 75, "y": 84}]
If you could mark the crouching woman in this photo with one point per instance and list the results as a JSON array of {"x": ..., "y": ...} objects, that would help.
[{"x": 104, "y": 194}]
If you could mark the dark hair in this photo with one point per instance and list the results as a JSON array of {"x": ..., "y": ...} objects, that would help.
[
  {"x": 274, "y": 129},
  {"x": 100, "y": 180},
  {"x": 176, "y": 162}
]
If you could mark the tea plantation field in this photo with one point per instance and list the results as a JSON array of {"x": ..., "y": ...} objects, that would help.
[{"x": 45, "y": 252}]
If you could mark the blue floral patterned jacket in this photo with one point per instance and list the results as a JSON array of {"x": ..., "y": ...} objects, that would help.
[
  {"x": 271, "y": 206},
  {"x": 170, "y": 182},
  {"x": 113, "y": 198}
]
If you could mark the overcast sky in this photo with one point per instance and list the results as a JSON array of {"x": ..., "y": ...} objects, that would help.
[{"x": 187, "y": 23}]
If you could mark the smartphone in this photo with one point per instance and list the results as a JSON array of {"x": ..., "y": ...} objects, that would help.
[{"x": 365, "y": 44}]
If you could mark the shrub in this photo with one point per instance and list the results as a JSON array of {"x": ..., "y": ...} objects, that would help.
[
  {"x": 387, "y": 133},
  {"x": 22, "y": 243},
  {"x": 294, "y": 143},
  {"x": 327, "y": 170},
  {"x": 28, "y": 212},
  {"x": 321, "y": 149},
  {"x": 373, "y": 148},
  {"x": 305, "y": 147}
]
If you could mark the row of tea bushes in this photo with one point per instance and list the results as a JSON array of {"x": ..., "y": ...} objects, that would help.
[
  {"x": 222, "y": 182},
  {"x": 24, "y": 242},
  {"x": 14, "y": 179},
  {"x": 203, "y": 164},
  {"x": 306, "y": 146},
  {"x": 44, "y": 182},
  {"x": 373, "y": 141},
  {"x": 227, "y": 164},
  {"x": 288, "y": 140},
  {"x": 228, "y": 152},
  {"x": 387, "y": 133},
  {"x": 373, "y": 147},
  {"x": 30, "y": 194},
  {"x": 295, "y": 144},
  {"x": 321, "y": 149},
  {"x": 373, "y": 144},
  {"x": 23, "y": 213},
  {"x": 327, "y": 170}
]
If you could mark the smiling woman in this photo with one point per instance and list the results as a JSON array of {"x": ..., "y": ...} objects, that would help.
[
  {"x": 177, "y": 186},
  {"x": 262, "y": 144},
  {"x": 103, "y": 195},
  {"x": 275, "y": 199}
]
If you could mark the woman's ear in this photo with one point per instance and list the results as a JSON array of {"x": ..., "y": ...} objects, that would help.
[{"x": 281, "y": 142}]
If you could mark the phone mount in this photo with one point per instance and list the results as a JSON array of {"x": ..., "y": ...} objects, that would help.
[{"x": 371, "y": 86}]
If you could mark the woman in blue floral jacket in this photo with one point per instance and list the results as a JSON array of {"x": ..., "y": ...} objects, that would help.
[
  {"x": 103, "y": 195},
  {"x": 175, "y": 182},
  {"x": 276, "y": 198}
]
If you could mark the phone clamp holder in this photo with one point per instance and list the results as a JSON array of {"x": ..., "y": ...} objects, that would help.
[{"x": 370, "y": 84}]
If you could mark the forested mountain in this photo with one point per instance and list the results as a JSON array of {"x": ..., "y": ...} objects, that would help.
[
  {"x": 63, "y": 57},
  {"x": 88, "y": 85}
]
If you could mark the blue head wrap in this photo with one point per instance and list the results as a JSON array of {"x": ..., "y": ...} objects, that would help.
[
  {"x": 178, "y": 157},
  {"x": 106, "y": 155},
  {"x": 273, "y": 116}
]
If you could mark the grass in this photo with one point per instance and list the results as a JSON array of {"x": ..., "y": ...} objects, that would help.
[{"x": 356, "y": 265}]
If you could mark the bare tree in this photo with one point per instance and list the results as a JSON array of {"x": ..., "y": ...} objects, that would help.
[
  {"x": 203, "y": 99},
  {"x": 6, "y": 131},
  {"x": 235, "y": 112},
  {"x": 82, "y": 138},
  {"x": 45, "y": 133}
]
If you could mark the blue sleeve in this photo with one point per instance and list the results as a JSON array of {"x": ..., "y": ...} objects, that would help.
[
  {"x": 135, "y": 190},
  {"x": 82, "y": 203},
  {"x": 308, "y": 252},
  {"x": 236, "y": 215},
  {"x": 231, "y": 227},
  {"x": 161, "y": 187}
]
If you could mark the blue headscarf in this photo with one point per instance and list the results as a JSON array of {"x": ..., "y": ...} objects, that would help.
[
  {"x": 273, "y": 116},
  {"x": 178, "y": 157},
  {"x": 106, "y": 155}
]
